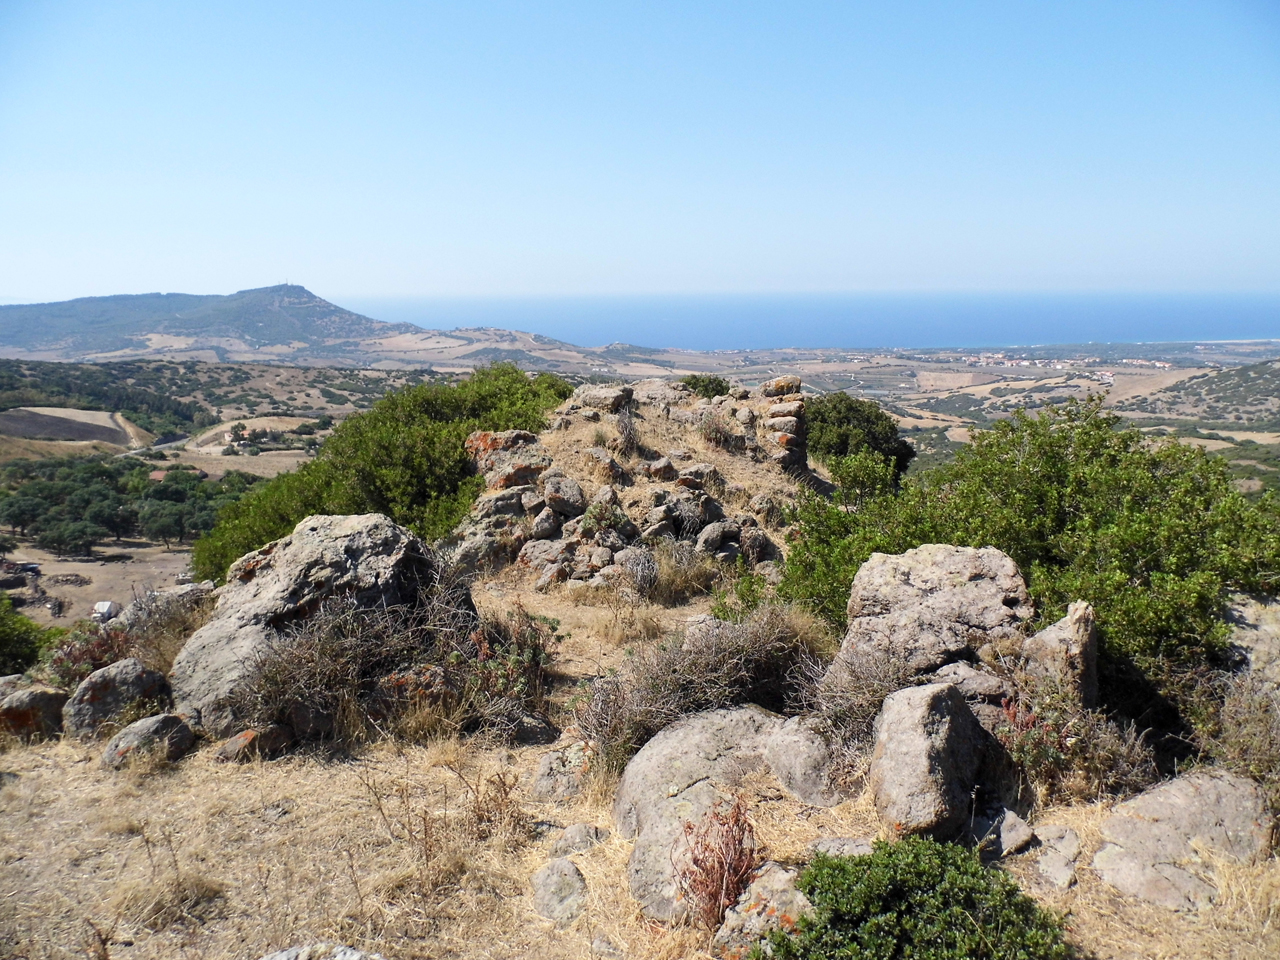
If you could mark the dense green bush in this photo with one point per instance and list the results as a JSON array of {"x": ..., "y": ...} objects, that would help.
[
  {"x": 916, "y": 900},
  {"x": 840, "y": 425},
  {"x": 20, "y": 638},
  {"x": 1151, "y": 533},
  {"x": 706, "y": 385},
  {"x": 404, "y": 458}
]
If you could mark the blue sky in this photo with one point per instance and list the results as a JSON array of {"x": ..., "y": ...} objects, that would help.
[{"x": 382, "y": 149}]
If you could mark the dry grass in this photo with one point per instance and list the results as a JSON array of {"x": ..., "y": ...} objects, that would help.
[
  {"x": 165, "y": 627},
  {"x": 682, "y": 573}
]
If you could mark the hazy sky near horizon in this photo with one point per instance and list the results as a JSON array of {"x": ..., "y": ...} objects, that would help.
[{"x": 401, "y": 149}]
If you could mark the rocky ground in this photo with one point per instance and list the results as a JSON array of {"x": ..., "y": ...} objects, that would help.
[{"x": 478, "y": 847}]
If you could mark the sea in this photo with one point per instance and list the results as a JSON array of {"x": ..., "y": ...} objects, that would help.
[{"x": 853, "y": 321}]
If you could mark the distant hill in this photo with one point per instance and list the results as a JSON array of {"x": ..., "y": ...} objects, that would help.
[{"x": 286, "y": 316}]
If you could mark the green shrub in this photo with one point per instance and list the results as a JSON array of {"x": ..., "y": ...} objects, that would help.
[
  {"x": 916, "y": 900},
  {"x": 706, "y": 385},
  {"x": 20, "y": 638},
  {"x": 1152, "y": 534},
  {"x": 403, "y": 458},
  {"x": 840, "y": 425}
]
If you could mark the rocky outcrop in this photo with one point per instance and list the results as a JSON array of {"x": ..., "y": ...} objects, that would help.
[
  {"x": 156, "y": 606},
  {"x": 1058, "y": 855},
  {"x": 610, "y": 399},
  {"x": 166, "y": 735},
  {"x": 1160, "y": 845},
  {"x": 366, "y": 557},
  {"x": 925, "y": 763},
  {"x": 933, "y": 605},
  {"x": 106, "y": 694}
]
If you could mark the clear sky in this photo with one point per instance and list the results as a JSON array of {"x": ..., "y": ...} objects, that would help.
[{"x": 384, "y": 149}]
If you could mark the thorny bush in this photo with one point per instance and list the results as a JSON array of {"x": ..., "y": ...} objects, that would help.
[
  {"x": 717, "y": 665},
  {"x": 414, "y": 672}
]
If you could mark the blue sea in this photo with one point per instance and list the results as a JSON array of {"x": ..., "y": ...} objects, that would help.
[{"x": 850, "y": 320}]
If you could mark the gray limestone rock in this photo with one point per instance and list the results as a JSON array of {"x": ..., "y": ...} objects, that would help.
[
  {"x": 932, "y": 605},
  {"x": 770, "y": 902},
  {"x": 1156, "y": 842},
  {"x": 843, "y": 846},
  {"x": 676, "y": 778},
  {"x": 928, "y": 748},
  {"x": 578, "y": 837},
  {"x": 1067, "y": 653},
  {"x": 564, "y": 496},
  {"x": 32, "y": 712},
  {"x": 561, "y": 773},
  {"x": 800, "y": 757}
]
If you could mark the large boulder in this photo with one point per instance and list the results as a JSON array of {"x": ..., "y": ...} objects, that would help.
[
  {"x": 32, "y": 712},
  {"x": 165, "y": 734},
  {"x": 676, "y": 778},
  {"x": 366, "y": 557},
  {"x": 611, "y": 399},
  {"x": 564, "y": 495},
  {"x": 510, "y": 458},
  {"x": 105, "y": 695},
  {"x": 1161, "y": 844},
  {"x": 924, "y": 766},
  {"x": 933, "y": 605}
]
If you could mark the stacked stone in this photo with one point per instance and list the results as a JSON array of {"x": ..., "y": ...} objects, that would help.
[{"x": 783, "y": 427}]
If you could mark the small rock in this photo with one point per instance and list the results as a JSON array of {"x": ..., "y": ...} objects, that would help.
[
  {"x": 1063, "y": 839},
  {"x": 250, "y": 744},
  {"x": 792, "y": 408},
  {"x": 1003, "y": 834},
  {"x": 603, "y": 947},
  {"x": 578, "y": 837},
  {"x": 1057, "y": 869},
  {"x": 770, "y": 902},
  {"x": 564, "y": 496},
  {"x": 679, "y": 455},
  {"x": 844, "y": 846},
  {"x": 546, "y": 525},
  {"x": 561, "y": 773},
  {"x": 661, "y": 469},
  {"x": 530, "y": 729},
  {"x": 167, "y": 733},
  {"x": 105, "y": 694},
  {"x": 559, "y": 891},
  {"x": 322, "y": 951},
  {"x": 1067, "y": 652},
  {"x": 605, "y": 466}
]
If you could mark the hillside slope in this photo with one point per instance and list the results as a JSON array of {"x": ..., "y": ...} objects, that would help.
[{"x": 282, "y": 316}]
